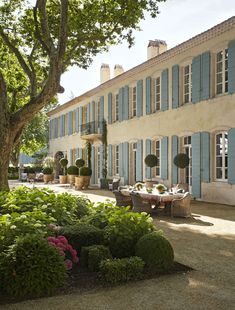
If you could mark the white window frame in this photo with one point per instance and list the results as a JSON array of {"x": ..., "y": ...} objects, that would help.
[
  {"x": 157, "y": 93},
  {"x": 116, "y": 107},
  {"x": 187, "y": 82},
  {"x": 117, "y": 159},
  {"x": 223, "y": 73},
  {"x": 224, "y": 150},
  {"x": 134, "y": 101},
  {"x": 154, "y": 142}
]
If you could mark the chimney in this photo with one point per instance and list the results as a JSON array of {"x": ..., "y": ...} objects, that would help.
[
  {"x": 118, "y": 69},
  {"x": 104, "y": 73},
  {"x": 155, "y": 48}
]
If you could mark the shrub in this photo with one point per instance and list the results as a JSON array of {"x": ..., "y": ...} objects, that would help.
[
  {"x": 181, "y": 160},
  {"x": 82, "y": 234},
  {"x": 64, "y": 162},
  {"x": 72, "y": 170},
  {"x": 85, "y": 171},
  {"x": 47, "y": 170},
  {"x": 80, "y": 162},
  {"x": 92, "y": 256},
  {"x": 151, "y": 160},
  {"x": 156, "y": 251},
  {"x": 121, "y": 270},
  {"x": 31, "y": 267},
  {"x": 124, "y": 229}
]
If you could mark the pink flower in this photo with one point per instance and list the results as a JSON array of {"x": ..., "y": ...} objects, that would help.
[
  {"x": 63, "y": 239},
  {"x": 75, "y": 260},
  {"x": 69, "y": 247},
  {"x": 68, "y": 264},
  {"x": 51, "y": 239},
  {"x": 61, "y": 246}
]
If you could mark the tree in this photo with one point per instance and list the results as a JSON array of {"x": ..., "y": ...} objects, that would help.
[{"x": 39, "y": 42}]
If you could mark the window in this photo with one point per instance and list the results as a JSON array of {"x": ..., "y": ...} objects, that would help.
[
  {"x": 187, "y": 149},
  {"x": 187, "y": 83},
  {"x": 221, "y": 153},
  {"x": 133, "y": 101},
  {"x": 222, "y": 72},
  {"x": 74, "y": 122},
  {"x": 134, "y": 149},
  {"x": 98, "y": 163},
  {"x": 66, "y": 124},
  {"x": 157, "y": 151},
  {"x": 98, "y": 112},
  {"x": 116, "y": 108},
  {"x": 116, "y": 159},
  {"x": 157, "y": 94},
  {"x": 84, "y": 116}
]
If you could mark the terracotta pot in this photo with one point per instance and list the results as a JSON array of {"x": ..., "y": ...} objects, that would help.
[
  {"x": 86, "y": 181},
  {"x": 48, "y": 178},
  {"x": 71, "y": 179},
  {"x": 63, "y": 179},
  {"x": 79, "y": 182}
]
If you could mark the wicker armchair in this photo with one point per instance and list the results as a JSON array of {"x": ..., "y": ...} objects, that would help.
[
  {"x": 181, "y": 207},
  {"x": 183, "y": 186},
  {"x": 140, "y": 204},
  {"x": 114, "y": 185},
  {"x": 122, "y": 200}
]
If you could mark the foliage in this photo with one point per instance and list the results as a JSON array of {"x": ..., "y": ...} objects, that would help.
[
  {"x": 31, "y": 267},
  {"x": 85, "y": 171},
  {"x": 181, "y": 160},
  {"x": 161, "y": 188},
  {"x": 151, "y": 160},
  {"x": 64, "y": 162},
  {"x": 47, "y": 170},
  {"x": 80, "y": 162},
  {"x": 82, "y": 234},
  {"x": 72, "y": 170},
  {"x": 156, "y": 251},
  {"x": 121, "y": 270},
  {"x": 124, "y": 229},
  {"x": 65, "y": 250},
  {"x": 88, "y": 152},
  {"x": 139, "y": 185},
  {"x": 92, "y": 256}
]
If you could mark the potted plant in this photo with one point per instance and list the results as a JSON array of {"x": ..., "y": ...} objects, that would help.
[
  {"x": 72, "y": 172},
  {"x": 48, "y": 175},
  {"x": 150, "y": 161},
  {"x": 138, "y": 186},
  {"x": 181, "y": 160},
  {"x": 78, "y": 179},
  {"x": 85, "y": 173},
  {"x": 63, "y": 163},
  {"x": 161, "y": 188},
  {"x": 31, "y": 173}
]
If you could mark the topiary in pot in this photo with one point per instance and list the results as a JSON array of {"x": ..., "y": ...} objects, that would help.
[
  {"x": 80, "y": 162},
  {"x": 85, "y": 173},
  {"x": 151, "y": 161},
  {"x": 47, "y": 170},
  {"x": 181, "y": 160},
  {"x": 72, "y": 171},
  {"x": 63, "y": 163},
  {"x": 161, "y": 188},
  {"x": 48, "y": 176},
  {"x": 156, "y": 251}
]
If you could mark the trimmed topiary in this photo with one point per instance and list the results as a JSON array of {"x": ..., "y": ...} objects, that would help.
[
  {"x": 85, "y": 171},
  {"x": 47, "y": 170},
  {"x": 72, "y": 170},
  {"x": 64, "y": 162},
  {"x": 79, "y": 162},
  {"x": 156, "y": 251},
  {"x": 151, "y": 160},
  {"x": 31, "y": 267},
  {"x": 92, "y": 256},
  {"x": 181, "y": 160},
  {"x": 121, "y": 270}
]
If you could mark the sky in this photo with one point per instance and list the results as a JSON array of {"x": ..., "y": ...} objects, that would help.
[{"x": 178, "y": 21}]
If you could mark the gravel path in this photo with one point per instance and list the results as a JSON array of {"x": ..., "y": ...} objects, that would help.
[{"x": 205, "y": 243}]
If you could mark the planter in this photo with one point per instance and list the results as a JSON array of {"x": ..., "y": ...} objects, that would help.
[
  {"x": 71, "y": 179},
  {"x": 79, "y": 182},
  {"x": 48, "y": 178},
  {"x": 86, "y": 181},
  {"x": 149, "y": 184},
  {"x": 104, "y": 183},
  {"x": 63, "y": 179}
]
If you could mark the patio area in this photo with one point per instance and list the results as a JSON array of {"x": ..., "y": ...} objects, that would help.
[{"x": 204, "y": 242}]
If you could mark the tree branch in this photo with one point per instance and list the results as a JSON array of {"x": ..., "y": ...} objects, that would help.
[
  {"x": 63, "y": 29},
  {"x": 3, "y": 96}
]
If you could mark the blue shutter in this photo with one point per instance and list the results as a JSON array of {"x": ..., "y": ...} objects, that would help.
[
  {"x": 70, "y": 123},
  {"x": 148, "y": 150},
  {"x": 125, "y": 157},
  {"x": 56, "y": 127},
  {"x": 175, "y": 86},
  {"x": 231, "y": 156},
  {"x": 101, "y": 160},
  {"x": 71, "y": 158},
  {"x": 148, "y": 95},
  {"x": 164, "y": 90},
  {"x": 88, "y": 112},
  {"x": 102, "y": 109},
  {"x": 196, "y": 79},
  {"x": 174, "y": 149},
  {"x": 231, "y": 67},
  {"x": 110, "y": 159},
  {"x": 139, "y": 95},
  {"x": 93, "y": 164},
  {"x": 205, "y": 157},
  {"x": 61, "y": 125},
  {"x": 110, "y": 108},
  {"x": 126, "y": 102},
  {"x": 77, "y": 120},
  {"x": 196, "y": 165},
  {"x": 92, "y": 111},
  {"x": 80, "y": 118},
  {"x": 205, "y": 75},
  {"x": 139, "y": 161},
  {"x": 120, "y": 150},
  {"x": 164, "y": 158},
  {"x": 120, "y": 104},
  {"x": 50, "y": 129}
]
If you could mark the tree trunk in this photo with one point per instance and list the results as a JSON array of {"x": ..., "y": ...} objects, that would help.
[{"x": 5, "y": 151}]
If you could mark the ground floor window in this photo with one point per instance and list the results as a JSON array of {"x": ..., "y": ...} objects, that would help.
[
  {"x": 157, "y": 152},
  {"x": 221, "y": 156},
  {"x": 187, "y": 149}
]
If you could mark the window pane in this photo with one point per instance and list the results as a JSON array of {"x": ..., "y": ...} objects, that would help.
[
  {"x": 219, "y": 173},
  {"x": 219, "y": 162},
  {"x": 219, "y": 56}
]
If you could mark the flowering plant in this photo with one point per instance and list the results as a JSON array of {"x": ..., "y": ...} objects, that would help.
[{"x": 65, "y": 249}]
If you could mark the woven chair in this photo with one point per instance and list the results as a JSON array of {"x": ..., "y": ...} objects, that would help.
[
  {"x": 122, "y": 200},
  {"x": 183, "y": 186},
  {"x": 181, "y": 207},
  {"x": 114, "y": 185},
  {"x": 140, "y": 204}
]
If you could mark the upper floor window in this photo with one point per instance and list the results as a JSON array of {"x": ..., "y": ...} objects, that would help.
[
  {"x": 221, "y": 156},
  {"x": 84, "y": 116},
  {"x": 222, "y": 72},
  {"x": 157, "y": 151},
  {"x": 116, "y": 108},
  {"x": 117, "y": 159},
  {"x": 157, "y": 94},
  {"x": 98, "y": 111},
  {"x": 134, "y": 101},
  {"x": 187, "y": 79}
]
